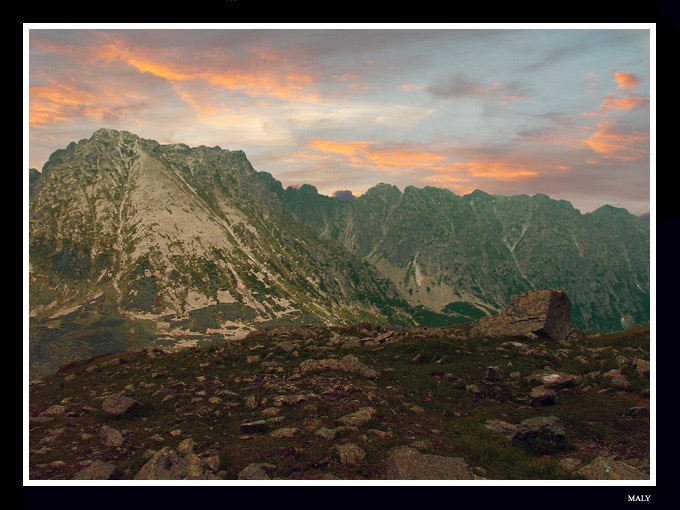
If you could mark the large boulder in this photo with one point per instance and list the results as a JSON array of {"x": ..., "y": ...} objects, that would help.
[
  {"x": 406, "y": 463},
  {"x": 538, "y": 312}
]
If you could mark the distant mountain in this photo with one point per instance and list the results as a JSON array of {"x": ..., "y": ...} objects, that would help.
[
  {"x": 460, "y": 257},
  {"x": 644, "y": 217},
  {"x": 133, "y": 243}
]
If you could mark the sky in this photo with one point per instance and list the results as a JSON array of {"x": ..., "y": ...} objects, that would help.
[{"x": 512, "y": 110}]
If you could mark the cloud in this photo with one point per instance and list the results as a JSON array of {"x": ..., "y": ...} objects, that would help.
[
  {"x": 616, "y": 141},
  {"x": 632, "y": 102},
  {"x": 626, "y": 81},
  {"x": 65, "y": 101},
  {"x": 460, "y": 85},
  {"x": 376, "y": 157}
]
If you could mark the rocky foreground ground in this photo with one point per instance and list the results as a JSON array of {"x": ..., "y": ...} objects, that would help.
[{"x": 359, "y": 402}]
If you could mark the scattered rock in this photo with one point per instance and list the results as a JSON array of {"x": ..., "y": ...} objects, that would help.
[
  {"x": 255, "y": 426},
  {"x": 494, "y": 374},
  {"x": 500, "y": 427},
  {"x": 284, "y": 433},
  {"x": 186, "y": 446},
  {"x": 118, "y": 405},
  {"x": 253, "y": 472},
  {"x": 603, "y": 468},
  {"x": 98, "y": 470},
  {"x": 326, "y": 433},
  {"x": 406, "y": 463},
  {"x": 159, "y": 466},
  {"x": 540, "y": 434},
  {"x": 110, "y": 436},
  {"x": 350, "y": 453},
  {"x": 349, "y": 363},
  {"x": 642, "y": 367},
  {"x": 359, "y": 417},
  {"x": 618, "y": 380},
  {"x": 542, "y": 396},
  {"x": 55, "y": 410},
  {"x": 552, "y": 379}
]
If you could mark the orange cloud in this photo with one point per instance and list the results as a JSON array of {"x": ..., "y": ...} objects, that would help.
[
  {"x": 623, "y": 103},
  {"x": 59, "y": 101},
  {"x": 366, "y": 154},
  {"x": 261, "y": 80},
  {"x": 626, "y": 81},
  {"x": 619, "y": 143},
  {"x": 496, "y": 169}
]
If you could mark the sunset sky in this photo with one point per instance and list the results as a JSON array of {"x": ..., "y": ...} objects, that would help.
[{"x": 564, "y": 112}]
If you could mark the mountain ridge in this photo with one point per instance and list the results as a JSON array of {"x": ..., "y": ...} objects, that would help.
[{"x": 135, "y": 243}]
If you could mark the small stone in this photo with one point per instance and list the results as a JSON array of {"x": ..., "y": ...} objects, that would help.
[
  {"x": 55, "y": 410},
  {"x": 359, "y": 417},
  {"x": 255, "y": 426},
  {"x": 326, "y": 433},
  {"x": 253, "y": 472},
  {"x": 494, "y": 374},
  {"x": 111, "y": 436},
  {"x": 541, "y": 396},
  {"x": 186, "y": 446},
  {"x": 283, "y": 433},
  {"x": 350, "y": 453}
]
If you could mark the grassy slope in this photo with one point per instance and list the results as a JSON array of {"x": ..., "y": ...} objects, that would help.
[{"x": 420, "y": 397}]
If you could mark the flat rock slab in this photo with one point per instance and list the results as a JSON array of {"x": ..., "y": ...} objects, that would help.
[
  {"x": 358, "y": 418},
  {"x": 604, "y": 468},
  {"x": 255, "y": 426},
  {"x": 551, "y": 379},
  {"x": 406, "y": 463},
  {"x": 348, "y": 363}
]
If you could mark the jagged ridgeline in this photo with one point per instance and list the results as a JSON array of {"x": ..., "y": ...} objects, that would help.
[
  {"x": 455, "y": 257},
  {"x": 135, "y": 243}
]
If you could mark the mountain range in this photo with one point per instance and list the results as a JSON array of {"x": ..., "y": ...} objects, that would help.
[{"x": 133, "y": 243}]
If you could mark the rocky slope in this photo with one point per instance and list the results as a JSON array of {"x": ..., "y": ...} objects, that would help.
[
  {"x": 462, "y": 257},
  {"x": 134, "y": 243},
  {"x": 352, "y": 402}
]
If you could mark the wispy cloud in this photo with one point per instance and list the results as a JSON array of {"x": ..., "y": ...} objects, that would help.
[{"x": 461, "y": 85}]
